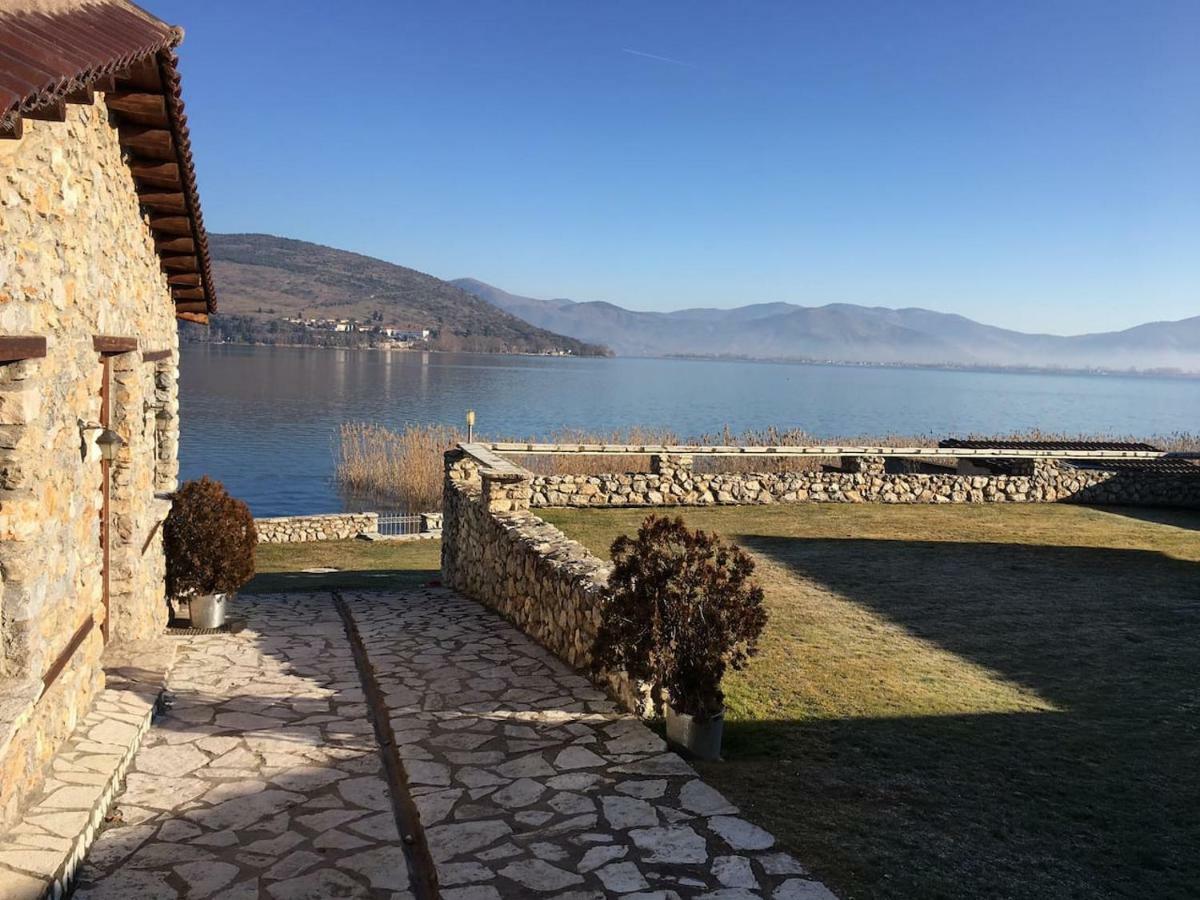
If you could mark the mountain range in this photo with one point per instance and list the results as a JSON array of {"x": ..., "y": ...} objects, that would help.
[
  {"x": 262, "y": 279},
  {"x": 842, "y": 332}
]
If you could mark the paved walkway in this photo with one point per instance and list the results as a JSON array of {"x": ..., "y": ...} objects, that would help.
[{"x": 265, "y": 778}]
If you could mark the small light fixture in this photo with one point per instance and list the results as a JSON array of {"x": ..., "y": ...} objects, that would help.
[
  {"x": 109, "y": 443},
  {"x": 470, "y": 425}
]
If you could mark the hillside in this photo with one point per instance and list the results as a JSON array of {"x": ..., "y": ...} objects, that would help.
[
  {"x": 267, "y": 278},
  {"x": 847, "y": 333}
]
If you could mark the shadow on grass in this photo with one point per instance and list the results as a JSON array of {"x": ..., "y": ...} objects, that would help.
[
  {"x": 1097, "y": 799},
  {"x": 1188, "y": 519},
  {"x": 363, "y": 579}
]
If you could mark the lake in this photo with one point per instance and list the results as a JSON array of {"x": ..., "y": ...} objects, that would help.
[{"x": 264, "y": 420}]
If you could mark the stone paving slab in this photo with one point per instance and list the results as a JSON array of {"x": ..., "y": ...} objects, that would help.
[
  {"x": 531, "y": 783},
  {"x": 262, "y": 780},
  {"x": 40, "y": 855}
]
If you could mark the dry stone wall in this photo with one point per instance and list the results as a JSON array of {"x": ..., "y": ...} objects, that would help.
[
  {"x": 674, "y": 483},
  {"x": 77, "y": 260},
  {"x": 299, "y": 529},
  {"x": 499, "y": 553}
]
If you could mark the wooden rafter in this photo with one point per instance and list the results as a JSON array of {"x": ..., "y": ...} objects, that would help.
[
  {"x": 51, "y": 112},
  {"x": 149, "y": 143},
  {"x": 156, "y": 173},
  {"x": 175, "y": 245},
  {"x": 139, "y": 108}
]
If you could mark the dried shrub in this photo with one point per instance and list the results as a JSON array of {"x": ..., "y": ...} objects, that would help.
[
  {"x": 209, "y": 540},
  {"x": 681, "y": 609}
]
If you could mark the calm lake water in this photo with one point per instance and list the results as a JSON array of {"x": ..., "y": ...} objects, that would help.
[{"x": 265, "y": 420}]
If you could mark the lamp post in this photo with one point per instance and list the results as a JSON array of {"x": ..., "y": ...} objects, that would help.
[{"x": 470, "y": 425}]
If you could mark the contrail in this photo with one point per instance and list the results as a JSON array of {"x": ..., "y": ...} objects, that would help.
[{"x": 666, "y": 59}]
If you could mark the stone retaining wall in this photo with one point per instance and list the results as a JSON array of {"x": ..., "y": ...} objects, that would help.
[
  {"x": 496, "y": 551},
  {"x": 864, "y": 480},
  {"x": 299, "y": 529}
]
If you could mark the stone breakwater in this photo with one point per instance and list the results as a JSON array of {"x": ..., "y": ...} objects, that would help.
[
  {"x": 496, "y": 551},
  {"x": 865, "y": 480},
  {"x": 298, "y": 529}
]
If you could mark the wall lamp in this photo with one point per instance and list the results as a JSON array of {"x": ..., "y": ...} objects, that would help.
[{"x": 99, "y": 442}]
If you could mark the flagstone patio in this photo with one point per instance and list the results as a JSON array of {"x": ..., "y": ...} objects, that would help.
[{"x": 265, "y": 778}]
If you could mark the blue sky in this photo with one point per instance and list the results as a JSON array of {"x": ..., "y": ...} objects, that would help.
[{"x": 1032, "y": 165}]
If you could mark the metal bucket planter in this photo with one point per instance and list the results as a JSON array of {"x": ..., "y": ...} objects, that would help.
[
  {"x": 208, "y": 610},
  {"x": 701, "y": 737}
]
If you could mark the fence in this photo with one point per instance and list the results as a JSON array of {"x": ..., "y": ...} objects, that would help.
[{"x": 399, "y": 524}]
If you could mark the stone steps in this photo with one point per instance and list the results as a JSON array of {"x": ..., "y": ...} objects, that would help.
[{"x": 39, "y": 855}]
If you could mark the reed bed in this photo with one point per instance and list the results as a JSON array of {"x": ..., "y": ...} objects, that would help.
[{"x": 404, "y": 467}]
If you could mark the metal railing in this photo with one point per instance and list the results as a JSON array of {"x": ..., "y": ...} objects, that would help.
[{"x": 399, "y": 525}]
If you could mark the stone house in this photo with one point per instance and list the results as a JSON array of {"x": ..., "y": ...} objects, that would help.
[{"x": 102, "y": 249}]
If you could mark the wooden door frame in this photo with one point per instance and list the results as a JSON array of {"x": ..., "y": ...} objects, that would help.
[
  {"x": 106, "y": 495},
  {"x": 107, "y": 346}
]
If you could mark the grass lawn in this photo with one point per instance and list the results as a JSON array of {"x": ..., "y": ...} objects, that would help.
[
  {"x": 964, "y": 701},
  {"x": 377, "y": 565}
]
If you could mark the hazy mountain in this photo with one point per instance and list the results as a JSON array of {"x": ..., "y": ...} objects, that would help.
[
  {"x": 270, "y": 277},
  {"x": 848, "y": 333}
]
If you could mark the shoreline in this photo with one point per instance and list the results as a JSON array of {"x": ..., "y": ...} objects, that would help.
[{"x": 828, "y": 363}]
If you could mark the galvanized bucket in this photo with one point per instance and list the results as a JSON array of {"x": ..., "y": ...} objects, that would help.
[
  {"x": 208, "y": 610},
  {"x": 699, "y": 737}
]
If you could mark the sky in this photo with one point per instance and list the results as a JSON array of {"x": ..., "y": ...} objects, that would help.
[{"x": 1028, "y": 164}]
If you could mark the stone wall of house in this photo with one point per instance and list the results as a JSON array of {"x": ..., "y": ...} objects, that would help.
[
  {"x": 299, "y": 529},
  {"x": 499, "y": 553},
  {"x": 673, "y": 482},
  {"x": 77, "y": 260}
]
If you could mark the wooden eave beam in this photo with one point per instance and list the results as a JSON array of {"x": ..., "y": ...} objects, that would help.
[
  {"x": 184, "y": 262},
  {"x": 84, "y": 96},
  {"x": 192, "y": 306},
  {"x": 184, "y": 279},
  {"x": 187, "y": 293},
  {"x": 175, "y": 245},
  {"x": 198, "y": 318},
  {"x": 142, "y": 76},
  {"x": 51, "y": 112},
  {"x": 149, "y": 143},
  {"x": 11, "y": 131},
  {"x": 15, "y": 347},
  {"x": 175, "y": 225},
  {"x": 139, "y": 108},
  {"x": 163, "y": 201},
  {"x": 156, "y": 173}
]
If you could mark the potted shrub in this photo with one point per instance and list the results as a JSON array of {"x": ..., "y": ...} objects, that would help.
[
  {"x": 209, "y": 540},
  {"x": 681, "y": 609}
]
